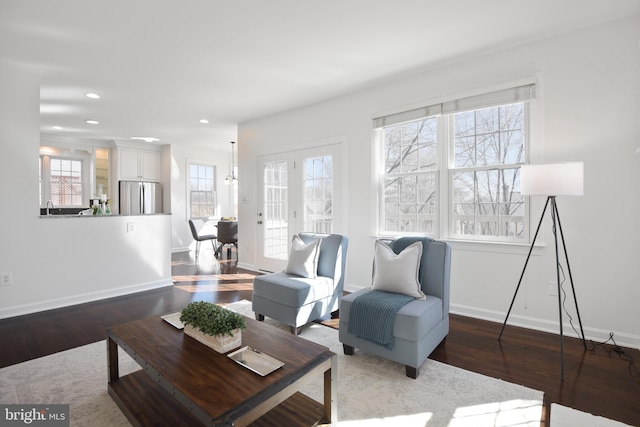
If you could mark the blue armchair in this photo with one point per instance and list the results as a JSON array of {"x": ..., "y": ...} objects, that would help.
[
  {"x": 296, "y": 300},
  {"x": 421, "y": 325}
]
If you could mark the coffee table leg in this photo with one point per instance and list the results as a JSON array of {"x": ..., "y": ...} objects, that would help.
[
  {"x": 112, "y": 359},
  {"x": 331, "y": 392}
]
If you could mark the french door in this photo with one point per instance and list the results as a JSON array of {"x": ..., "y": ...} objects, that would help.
[{"x": 298, "y": 191}]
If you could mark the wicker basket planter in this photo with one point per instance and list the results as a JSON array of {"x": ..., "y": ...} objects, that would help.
[
  {"x": 213, "y": 326},
  {"x": 220, "y": 343}
]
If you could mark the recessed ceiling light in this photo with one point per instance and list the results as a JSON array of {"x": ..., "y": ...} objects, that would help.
[
  {"x": 145, "y": 138},
  {"x": 204, "y": 121},
  {"x": 92, "y": 122},
  {"x": 93, "y": 95},
  {"x": 56, "y": 127}
]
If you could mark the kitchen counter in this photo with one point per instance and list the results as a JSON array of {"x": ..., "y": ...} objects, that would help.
[{"x": 97, "y": 216}]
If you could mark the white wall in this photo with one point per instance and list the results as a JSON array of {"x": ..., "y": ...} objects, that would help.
[
  {"x": 62, "y": 261},
  {"x": 588, "y": 109}
]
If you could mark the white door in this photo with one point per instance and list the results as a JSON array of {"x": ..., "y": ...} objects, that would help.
[
  {"x": 298, "y": 191},
  {"x": 273, "y": 211}
]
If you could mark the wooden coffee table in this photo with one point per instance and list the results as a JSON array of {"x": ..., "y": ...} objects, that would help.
[{"x": 183, "y": 382}]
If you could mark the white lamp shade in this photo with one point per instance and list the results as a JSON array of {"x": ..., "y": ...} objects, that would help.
[{"x": 557, "y": 179}]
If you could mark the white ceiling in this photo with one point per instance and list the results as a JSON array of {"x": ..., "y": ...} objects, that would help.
[{"x": 162, "y": 65}]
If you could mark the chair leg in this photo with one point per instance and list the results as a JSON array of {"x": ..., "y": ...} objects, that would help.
[
  {"x": 348, "y": 350},
  {"x": 259, "y": 317},
  {"x": 296, "y": 330},
  {"x": 412, "y": 372},
  {"x": 197, "y": 249}
]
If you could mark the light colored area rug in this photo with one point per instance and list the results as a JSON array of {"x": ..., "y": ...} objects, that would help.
[
  {"x": 374, "y": 392},
  {"x": 371, "y": 391},
  {"x": 77, "y": 377},
  {"x": 562, "y": 416}
]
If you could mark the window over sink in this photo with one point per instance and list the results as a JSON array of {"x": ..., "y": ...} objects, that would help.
[
  {"x": 63, "y": 178},
  {"x": 70, "y": 175}
]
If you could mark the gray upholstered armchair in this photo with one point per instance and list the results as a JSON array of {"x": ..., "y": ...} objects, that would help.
[
  {"x": 296, "y": 300},
  {"x": 420, "y": 325}
]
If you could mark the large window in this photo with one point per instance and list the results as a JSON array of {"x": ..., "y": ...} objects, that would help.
[
  {"x": 410, "y": 182},
  {"x": 488, "y": 148},
  {"x": 202, "y": 190},
  {"x": 452, "y": 170}
]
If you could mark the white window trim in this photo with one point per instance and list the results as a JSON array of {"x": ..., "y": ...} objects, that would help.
[
  {"x": 84, "y": 158},
  {"x": 447, "y": 229},
  {"x": 216, "y": 202},
  {"x": 445, "y": 157}
]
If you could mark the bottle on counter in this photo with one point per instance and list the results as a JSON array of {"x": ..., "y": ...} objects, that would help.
[{"x": 107, "y": 209}]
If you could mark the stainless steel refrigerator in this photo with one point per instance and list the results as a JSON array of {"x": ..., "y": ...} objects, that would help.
[{"x": 140, "y": 197}]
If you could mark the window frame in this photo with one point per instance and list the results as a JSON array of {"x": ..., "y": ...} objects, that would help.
[
  {"x": 190, "y": 192},
  {"x": 445, "y": 169},
  {"x": 45, "y": 177},
  {"x": 452, "y": 170},
  {"x": 382, "y": 176}
]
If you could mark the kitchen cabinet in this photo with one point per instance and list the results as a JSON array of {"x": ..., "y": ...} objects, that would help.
[{"x": 140, "y": 164}]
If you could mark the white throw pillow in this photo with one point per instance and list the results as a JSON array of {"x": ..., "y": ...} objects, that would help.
[
  {"x": 397, "y": 273},
  {"x": 303, "y": 259}
]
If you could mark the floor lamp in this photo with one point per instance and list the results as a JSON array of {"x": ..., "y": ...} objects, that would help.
[{"x": 551, "y": 180}]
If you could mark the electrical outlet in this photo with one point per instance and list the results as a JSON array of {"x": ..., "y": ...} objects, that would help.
[
  {"x": 131, "y": 227},
  {"x": 553, "y": 288},
  {"x": 5, "y": 279}
]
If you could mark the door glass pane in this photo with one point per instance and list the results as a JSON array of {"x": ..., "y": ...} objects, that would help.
[
  {"x": 318, "y": 194},
  {"x": 275, "y": 210}
]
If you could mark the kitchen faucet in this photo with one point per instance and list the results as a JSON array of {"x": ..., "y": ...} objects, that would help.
[{"x": 49, "y": 202}]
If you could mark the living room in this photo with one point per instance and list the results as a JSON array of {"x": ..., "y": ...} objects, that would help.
[{"x": 586, "y": 109}]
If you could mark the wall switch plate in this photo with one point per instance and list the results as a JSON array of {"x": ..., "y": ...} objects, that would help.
[{"x": 5, "y": 279}]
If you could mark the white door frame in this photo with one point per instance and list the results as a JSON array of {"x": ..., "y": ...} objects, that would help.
[{"x": 294, "y": 156}]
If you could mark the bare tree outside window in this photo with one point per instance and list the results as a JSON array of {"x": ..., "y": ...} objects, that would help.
[
  {"x": 410, "y": 180},
  {"x": 452, "y": 169},
  {"x": 489, "y": 146}
]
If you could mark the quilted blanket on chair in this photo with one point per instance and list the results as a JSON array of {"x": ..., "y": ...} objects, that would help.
[{"x": 372, "y": 315}]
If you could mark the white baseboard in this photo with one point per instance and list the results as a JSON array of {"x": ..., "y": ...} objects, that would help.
[
  {"x": 80, "y": 299},
  {"x": 595, "y": 334},
  {"x": 245, "y": 266},
  {"x": 176, "y": 250}
]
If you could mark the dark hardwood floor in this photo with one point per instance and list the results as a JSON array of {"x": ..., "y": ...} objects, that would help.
[{"x": 601, "y": 380}]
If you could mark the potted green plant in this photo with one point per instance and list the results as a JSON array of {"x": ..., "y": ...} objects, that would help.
[{"x": 212, "y": 325}]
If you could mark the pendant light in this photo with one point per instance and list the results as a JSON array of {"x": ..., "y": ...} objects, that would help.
[{"x": 231, "y": 178}]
